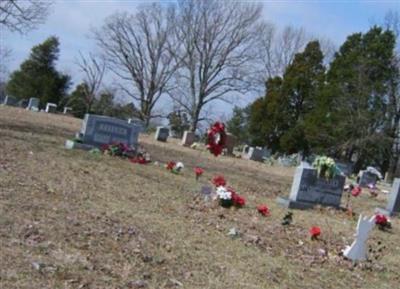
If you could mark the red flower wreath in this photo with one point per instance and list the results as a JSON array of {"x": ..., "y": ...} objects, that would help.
[{"x": 216, "y": 138}]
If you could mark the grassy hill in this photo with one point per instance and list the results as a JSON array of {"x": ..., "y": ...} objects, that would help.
[{"x": 69, "y": 219}]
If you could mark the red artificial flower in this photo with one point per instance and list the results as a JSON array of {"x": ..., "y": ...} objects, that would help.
[
  {"x": 238, "y": 200},
  {"x": 139, "y": 160},
  {"x": 198, "y": 171},
  {"x": 171, "y": 165},
  {"x": 263, "y": 210},
  {"x": 219, "y": 181},
  {"x": 315, "y": 232},
  {"x": 104, "y": 147},
  {"x": 381, "y": 220},
  {"x": 356, "y": 191}
]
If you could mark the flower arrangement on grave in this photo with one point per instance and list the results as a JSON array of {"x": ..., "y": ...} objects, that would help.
[
  {"x": 373, "y": 190},
  {"x": 226, "y": 196},
  {"x": 315, "y": 232},
  {"x": 356, "y": 191},
  {"x": 117, "y": 149},
  {"x": 219, "y": 181},
  {"x": 175, "y": 168},
  {"x": 198, "y": 172},
  {"x": 382, "y": 222},
  {"x": 216, "y": 138},
  {"x": 326, "y": 167},
  {"x": 263, "y": 210}
]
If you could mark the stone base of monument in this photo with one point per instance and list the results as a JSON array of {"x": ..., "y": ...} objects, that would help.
[
  {"x": 70, "y": 144},
  {"x": 299, "y": 205}
]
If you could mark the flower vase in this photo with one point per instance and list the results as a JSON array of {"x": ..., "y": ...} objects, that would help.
[{"x": 225, "y": 203}]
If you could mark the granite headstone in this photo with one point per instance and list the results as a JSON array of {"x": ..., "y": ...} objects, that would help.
[
  {"x": 51, "y": 107},
  {"x": 188, "y": 138},
  {"x": 308, "y": 190},
  {"x": 162, "y": 133},
  {"x": 366, "y": 178},
  {"x": 97, "y": 130},
  {"x": 33, "y": 104},
  {"x": 230, "y": 143},
  {"x": 393, "y": 206}
]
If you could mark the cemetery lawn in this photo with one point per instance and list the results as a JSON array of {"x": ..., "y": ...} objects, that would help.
[{"x": 69, "y": 219}]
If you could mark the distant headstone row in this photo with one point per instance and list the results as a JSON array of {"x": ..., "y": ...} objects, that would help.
[
  {"x": 255, "y": 153},
  {"x": 32, "y": 104}
]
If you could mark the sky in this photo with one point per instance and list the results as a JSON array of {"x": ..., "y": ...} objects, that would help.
[{"x": 73, "y": 20}]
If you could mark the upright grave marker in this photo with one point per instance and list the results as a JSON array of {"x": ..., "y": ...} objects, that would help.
[
  {"x": 51, "y": 107},
  {"x": 188, "y": 138},
  {"x": 67, "y": 109},
  {"x": 162, "y": 133},
  {"x": 308, "y": 190},
  {"x": 366, "y": 178},
  {"x": 254, "y": 153},
  {"x": 393, "y": 206},
  {"x": 33, "y": 104},
  {"x": 98, "y": 130},
  {"x": 230, "y": 143}
]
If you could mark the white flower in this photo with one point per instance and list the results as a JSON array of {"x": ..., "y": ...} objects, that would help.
[
  {"x": 179, "y": 165},
  {"x": 223, "y": 193}
]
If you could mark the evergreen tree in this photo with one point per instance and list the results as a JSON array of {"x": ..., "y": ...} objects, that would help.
[
  {"x": 179, "y": 122},
  {"x": 279, "y": 119},
  {"x": 358, "y": 82},
  {"x": 38, "y": 77},
  {"x": 238, "y": 125}
]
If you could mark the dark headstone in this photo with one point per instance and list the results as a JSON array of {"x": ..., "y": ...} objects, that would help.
[
  {"x": 308, "y": 190},
  {"x": 51, "y": 107},
  {"x": 98, "y": 130},
  {"x": 393, "y": 206},
  {"x": 254, "y": 153},
  {"x": 8, "y": 100},
  {"x": 162, "y": 133},
  {"x": 366, "y": 178},
  {"x": 346, "y": 168}
]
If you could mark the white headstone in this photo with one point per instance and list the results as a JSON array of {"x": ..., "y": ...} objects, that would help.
[
  {"x": 66, "y": 109},
  {"x": 358, "y": 250},
  {"x": 33, "y": 104},
  {"x": 51, "y": 107}
]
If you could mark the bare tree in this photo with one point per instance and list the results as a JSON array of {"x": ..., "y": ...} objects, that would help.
[
  {"x": 137, "y": 49},
  {"x": 217, "y": 48},
  {"x": 392, "y": 22},
  {"x": 278, "y": 48},
  {"x": 93, "y": 70},
  {"x": 23, "y": 15}
]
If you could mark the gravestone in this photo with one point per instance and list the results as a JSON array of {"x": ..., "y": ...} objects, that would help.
[
  {"x": 67, "y": 109},
  {"x": 366, "y": 178},
  {"x": 162, "y": 133},
  {"x": 254, "y": 153},
  {"x": 346, "y": 168},
  {"x": 230, "y": 143},
  {"x": 33, "y": 104},
  {"x": 393, "y": 206},
  {"x": 308, "y": 190},
  {"x": 98, "y": 130},
  {"x": 188, "y": 138},
  {"x": 51, "y": 107},
  {"x": 8, "y": 100}
]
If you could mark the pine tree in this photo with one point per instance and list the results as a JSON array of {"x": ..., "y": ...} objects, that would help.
[{"x": 38, "y": 77}]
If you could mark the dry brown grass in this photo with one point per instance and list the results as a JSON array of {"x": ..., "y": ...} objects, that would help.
[{"x": 69, "y": 219}]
